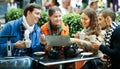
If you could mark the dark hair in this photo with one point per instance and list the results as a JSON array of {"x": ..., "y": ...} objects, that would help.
[
  {"x": 32, "y": 1},
  {"x": 56, "y": 2},
  {"x": 108, "y": 12},
  {"x": 94, "y": 26},
  {"x": 30, "y": 7},
  {"x": 52, "y": 10}
]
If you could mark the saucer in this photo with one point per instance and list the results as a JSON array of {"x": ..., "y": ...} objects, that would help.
[
  {"x": 39, "y": 53},
  {"x": 86, "y": 53},
  {"x": 80, "y": 50}
]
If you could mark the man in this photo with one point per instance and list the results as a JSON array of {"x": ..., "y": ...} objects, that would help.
[
  {"x": 24, "y": 28},
  {"x": 93, "y": 4},
  {"x": 112, "y": 37},
  {"x": 65, "y": 7}
]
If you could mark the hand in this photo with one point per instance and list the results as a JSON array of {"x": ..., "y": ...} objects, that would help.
[
  {"x": 73, "y": 40},
  {"x": 96, "y": 44},
  {"x": 77, "y": 35},
  {"x": 20, "y": 44},
  {"x": 48, "y": 48},
  {"x": 42, "y": 39}
]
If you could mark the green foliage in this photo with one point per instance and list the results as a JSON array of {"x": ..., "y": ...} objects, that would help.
[
  {"x": 43, "y": 18},
  {"x": 74, "y": 22},
  {"x": 118, "y": 16},
  {"x": 14, "y": 14}
]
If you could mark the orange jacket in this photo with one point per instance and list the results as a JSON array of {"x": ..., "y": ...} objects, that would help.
[{"x": 45, "y": 30}]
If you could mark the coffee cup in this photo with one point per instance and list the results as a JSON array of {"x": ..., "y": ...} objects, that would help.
[
  {"x": 82, "y": 36},
  {"x": 28, "y": 43},
  {"x": 92, "y": 37}
]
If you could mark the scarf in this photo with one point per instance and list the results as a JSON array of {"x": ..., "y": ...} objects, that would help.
[
  {"x": 29, "y": 29},
  {"x": 86, "y": 31},
  {"x": 59, "y": 29},
  {"x": 109, "y": 33}
]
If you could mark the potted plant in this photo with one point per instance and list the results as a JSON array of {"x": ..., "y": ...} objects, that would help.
[
  {"x": 14, "y": 14},
  {"x": 43, "y": 18},
  {"x": 74, "y": 22},
  {"x": 118, "y": 16}
]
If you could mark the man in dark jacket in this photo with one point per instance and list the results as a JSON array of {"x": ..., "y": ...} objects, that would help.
[{"x": 112, "y": 37}]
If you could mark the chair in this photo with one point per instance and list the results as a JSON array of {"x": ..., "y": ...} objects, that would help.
[{"x": 16, "y": 63}]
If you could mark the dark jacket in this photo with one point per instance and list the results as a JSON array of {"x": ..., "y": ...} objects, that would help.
[{"x": 114, "y": 50}]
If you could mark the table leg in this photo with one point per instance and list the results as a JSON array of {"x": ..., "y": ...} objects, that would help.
[{"x": 60, "y": 66}]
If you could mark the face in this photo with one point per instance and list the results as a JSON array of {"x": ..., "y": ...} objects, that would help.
[
  {"x": 11, "y": 1},
  {"x": 67, "y": 3},
  {"x": 95, "y": 5},
  {"x": 85, "y": 20},
  {"x": 56, "y": 18},
  {"x": 33, "y": 17},
  {"x": 101, "y": 21}
]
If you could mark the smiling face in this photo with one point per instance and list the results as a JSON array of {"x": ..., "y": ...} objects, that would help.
[
  {"x": 101, "y": 21},
  {"x": 85, "y": 20},
  {"x": 56, "y": 18},
  {"x": 33, "y": 17}
]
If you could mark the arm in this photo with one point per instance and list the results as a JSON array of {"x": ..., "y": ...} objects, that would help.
[
  {"x": 85, "y": 45},
  {"x": 114, "y": 50},
  {"x": 35, "y": 38}
]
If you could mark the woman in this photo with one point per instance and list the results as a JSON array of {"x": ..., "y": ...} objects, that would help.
[
  {"x": 90, "y": 27},
  {"x": 54, "y": 26}
]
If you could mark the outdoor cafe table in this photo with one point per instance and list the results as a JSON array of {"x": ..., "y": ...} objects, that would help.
[{"x": 46, "y": 62}]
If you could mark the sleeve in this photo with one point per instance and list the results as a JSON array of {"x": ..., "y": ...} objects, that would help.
[
  {"x": 36, "y": 42},
  {"x": 114, "y": 50},
  {"x": 86, "y": 46}
]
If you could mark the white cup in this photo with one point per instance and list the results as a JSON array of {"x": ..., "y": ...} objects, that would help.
[
  {"x": 82, "y": 36},
  {"x": 92, "y": 37},
  {"x": 28, "y": 43}
]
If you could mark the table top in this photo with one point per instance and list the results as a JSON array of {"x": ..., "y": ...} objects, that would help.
[
  {"x": 46, "y": 61},
  {"x": 14, "y": 58}
]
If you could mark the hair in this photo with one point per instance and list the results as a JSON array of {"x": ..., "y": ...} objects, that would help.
[
  {"x": 55, "y": 2},
  {"x": 94, "y": 26},
  {"x": 64, "y": 0},
  {"x": 108, "y": 12},
  {"x": 11, "y": 2},
  {"x": 32, "y": 1},
  {"x": 91, "y": 3},
  {"x": 30, "y": 7},
  {"x": 52, "y": 10}
]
